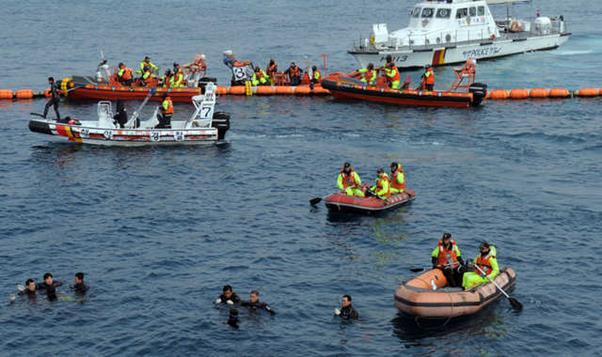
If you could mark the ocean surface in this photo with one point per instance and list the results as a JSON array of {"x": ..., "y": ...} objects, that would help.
[{"x": 159, "y": 231}]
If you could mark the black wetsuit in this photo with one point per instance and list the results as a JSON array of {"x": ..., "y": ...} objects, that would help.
[
  {"x": 43, "y": 286},
  {"x": 30, "y": 294},
  {"x": 53, "y": 101},
  {"x": 348, "y": 313},
  {"x": 234, "y": 298},
  {"x": 256, "y": 306},
  {"x": 80, "y": 288}
]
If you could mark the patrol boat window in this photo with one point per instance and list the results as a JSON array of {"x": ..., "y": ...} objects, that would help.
[
  {"x": 427, "y": 12},
  {"x": 443, "y": 13},
  {"x": 461, "y": 13},
  {"x": 416, "y": 12},
  {"x": 473, "y": 11},
  {"x": 481, "y": 10}
]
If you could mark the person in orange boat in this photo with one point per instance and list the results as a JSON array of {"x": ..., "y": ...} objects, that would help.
[
  {"x": 271, "y": 70},
  {"x": 124, "y": 75},
  {"x": 447, "y": 257},
  {"x": 166, "y": 80},
  {"x": 316, "y": 76},
  {"x": 349, "y": 181},
  {"x": 196, "y": 69},
  {"x": 147, "y": 68},
  {"x": 488, "y": 267},
  {"x": 428, "y": 79},
  {"x": 382, "y": 184},
  {"x": 166, "y": 112},
  {"x": 259, "y": 78},
  {"x": 294, "y": 74},
  {"x": 392, "y": 75},
  {"x": 398, "y": 179},
  {"x": 366, "y": 75},
  {"x": 177, "y": 80}
]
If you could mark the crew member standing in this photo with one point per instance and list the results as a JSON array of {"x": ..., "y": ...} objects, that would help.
[
  {"x": 428, "y": 78},
  {"x": 166, "y": 112},
  {"x": 316, "y": 76},
  {"x": 393, "y": 77},
  {"x": 54, "y": 100}
]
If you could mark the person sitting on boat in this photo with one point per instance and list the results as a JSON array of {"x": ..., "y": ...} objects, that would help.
[
  {"x": 428, "y": 79},
  {"x": 122, "y": 115},
  {"x": 147, "y": 70},
  {"x": 271, "y": 70},
  {"x": 487, "y": 262},
  {"x": 447, "y": 257},
  {"x": 196, "y": 69},
  {"x": 124, "y": 75},
  {"x": 346, "y": 312},
  {"x": 177, "y": 80},
  {"x": 166, "y": 80},
  {"x": 166, "y": 112},
  {"x": 392, "y": 75},
  {"x": 366, "y": 75},
  {"x": 231, "y": 61},
  {"x": 398, "y": 179},
  {"x": 228, "y": 296},
  {"x": 54, "y": 100},
  {"x": 349, "y": 181},
  {"x": 382, "y": 185},
  {"x": 255, "y": 305},
  {"x": 79, "y": 287},
  {"x": 259, "y": 78},
  {"x": 294, "y": 74}
]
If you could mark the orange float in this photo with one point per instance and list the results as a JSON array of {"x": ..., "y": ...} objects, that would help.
[
  {"x": 587, "y": 92},
  {"x": 24, "y": 94},
  {"x": 519, "y": 93},
  {"x": 559, "y": 93},
  {"x": 6, "y": 94},
  {"x": 539, "y": 93},
  {"x": 498, "y": 94}
]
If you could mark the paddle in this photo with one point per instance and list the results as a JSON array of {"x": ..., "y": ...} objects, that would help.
[{"x": 516, "y": 305}]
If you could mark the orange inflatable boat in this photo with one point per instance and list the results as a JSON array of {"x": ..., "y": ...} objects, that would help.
[{"x": 417, "y": 298}]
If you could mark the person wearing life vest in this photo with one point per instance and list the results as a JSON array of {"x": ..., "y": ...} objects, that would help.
[
  {"x": 367, "y": 75},
  {"x": 392, "y": 75},
  {"x": 259, "y": 78},
  {"x": 398, "y": 179},
  {"x": 447, "y": 257},
  {"x": 177, "y": 80},
  {"x": 316, "y": 75},
  {"x": 124, "y": 75},
  {"x": 349, "y": 181},
  {"x": 166, "y": 80},
  {"x": 166, "y": 112},
  {"x": 294, "y": 74},
  {"x": 382, "y": 184},
  {"x": 487, "y": 262},
  {"x": 271, "y": 70},
  {"x": 428, "y": 79},
  {"x": 147, "y": 65}
]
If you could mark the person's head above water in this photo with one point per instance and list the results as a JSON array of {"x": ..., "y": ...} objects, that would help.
[
  {"x": 227, "y": 290},
  {"x": 254, "y": 296},
  {"x": 30, "y": 285},
  {"x": 48, "y": 278},
  {"x": 78, "y": 278},
  {"x": 346, "y": 300}
]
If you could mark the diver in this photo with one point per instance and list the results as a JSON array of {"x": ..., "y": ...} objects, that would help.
[
  {"x": 79, "y": 287},
  {"x": 30, "y": 289},
  {"x": 122, "y": 115},
  {"x": 346, "y": 312},
  {"x": 233, "y": 318},
  {"x": 228, "y": 296},
  {"x": 49, "y": 282},
  {"x": 255, "y": 305},
  {"x": 54, "y": 100}
]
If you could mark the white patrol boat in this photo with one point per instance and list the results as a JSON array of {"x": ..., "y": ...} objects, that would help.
[
  {"x": 204, "y": 126},
  {"x": 451, "y": 31}
]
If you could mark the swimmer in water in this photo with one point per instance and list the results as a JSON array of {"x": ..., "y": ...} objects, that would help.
[
  {"x": 228, "y": 296},
  {"x": 79, "y": 287},
  {"x": 255, "y": 305},
  {"x": 346, "y": 312},
  {"x": 30, "y": 289},
  {"x": 49, "y": 282},
  {"x": 233, "y": 318}
]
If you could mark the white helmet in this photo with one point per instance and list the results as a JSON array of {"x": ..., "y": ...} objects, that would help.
[
  {"x": 228, "y": 53},
  {"x": 202, "y": 56}
]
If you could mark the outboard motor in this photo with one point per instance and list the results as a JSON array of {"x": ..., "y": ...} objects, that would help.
[
  {"x": 479, "y": 92},
  {"x": 221, "y": 121}
]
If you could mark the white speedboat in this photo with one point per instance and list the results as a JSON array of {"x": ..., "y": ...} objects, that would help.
[
  {"x": 204, "y": 126},
  {"x": 444, "y": 32}
]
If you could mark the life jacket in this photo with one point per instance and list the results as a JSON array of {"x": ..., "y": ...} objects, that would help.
[
  {"x": 177, "y": 79},
  {"x": 167, "y": 81},
  {"x": 272, "y": 69},
  {"x": 393, "y": 74},
  {"x": 368, "y": 76},
  {"x": 429, "y": 77},
  {"x": 446, "y": 255},
  {"x": 380, "y": 184},
  {"x": 317, "y": 75},
  {"x": 396, "y": 185},
  {"x": 125, "y": 74},
  {"x": 348, "y": 179},
  {"x": 484, "y": 263},
  {"x": 294, "y": 72},
  {"x": 167, "y": 106}
]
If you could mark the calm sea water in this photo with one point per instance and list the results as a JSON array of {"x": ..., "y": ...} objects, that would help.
[{"x": 160, "y": 230}]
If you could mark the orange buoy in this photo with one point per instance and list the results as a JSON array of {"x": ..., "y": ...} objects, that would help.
[
  {"x": 587, "y": 92},
  {"x": 24, "y": 94},
  {"x": 6, "y": 94},
  {"x": 237, "y": 90},
  {"x": 559, "y": 93},
  {"x": 539, "y": 93},
  {"x": 519, "y": 93},
  {"x": 498, "y": 94}
]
